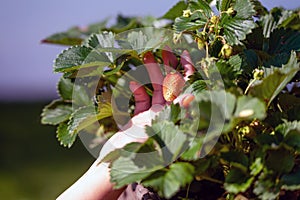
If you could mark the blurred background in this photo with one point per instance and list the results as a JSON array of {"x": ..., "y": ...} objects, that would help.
[{"x": 32, "y": 163}]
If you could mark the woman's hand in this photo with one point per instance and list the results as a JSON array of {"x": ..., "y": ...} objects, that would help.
[{"x": 95, "y": 183}]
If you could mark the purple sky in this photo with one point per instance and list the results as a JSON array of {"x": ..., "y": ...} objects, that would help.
[{"x": 26, "y": 65}]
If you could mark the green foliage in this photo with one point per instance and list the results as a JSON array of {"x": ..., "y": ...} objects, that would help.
[
  {"x": 56, "y": 112},
  {"x": 276, "y": 80},
  {"x": 175, "y": 11},
  {"x": 240, "y": 135},
  {"x": 169, "y": 181}
]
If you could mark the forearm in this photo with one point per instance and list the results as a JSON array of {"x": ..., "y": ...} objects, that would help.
[{"x": 93, "y": 185}]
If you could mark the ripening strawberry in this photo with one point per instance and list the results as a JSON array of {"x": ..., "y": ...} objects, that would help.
[{"x": 172, "y": 86}]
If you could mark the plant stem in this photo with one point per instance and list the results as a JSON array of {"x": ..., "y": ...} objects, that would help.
[
  {"x": 187, "y": 191},
  {"x": 211, "y": 179},
  {"x": 250, "y": 84}
]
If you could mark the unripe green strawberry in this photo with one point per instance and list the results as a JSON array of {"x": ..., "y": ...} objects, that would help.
[
  {"x": 214, "y": 19},
  {"x": 172, "y": 86},
  {"x": 231, "y": 11},
  {"x": 201, "y": 43},
  {"x": 258, "y": 74},
  {"x": 226, "y": 51},
  {"x": 201, "y": 39}
]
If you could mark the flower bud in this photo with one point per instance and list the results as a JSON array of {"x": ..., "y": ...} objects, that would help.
[
  {"x": 258, "y": 74},
  {"x": 187, "y": 13}
]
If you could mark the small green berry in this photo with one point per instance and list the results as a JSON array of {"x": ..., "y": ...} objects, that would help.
[
  {"x": 226, "y": 51},
  {"x": 201, "y": 43},
  {"x": 231, "y": 11},
  {"x": 214, "y": 19}
]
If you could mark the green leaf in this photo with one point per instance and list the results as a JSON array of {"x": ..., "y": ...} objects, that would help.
[
  {"x": 63, "y": 135},
  {"x": 231, "y": 69},
  {"x": 224, "y": 101},
  {"x": 175, "y": 11},
  {"x": 204, "y": 164},
  {"x": 138, "y": 41},
  {"x": 223, "y": 111},
  {"x": 291, "y": 181},
  {"x": 171, "y": 139},
  {"x": 292, "y": 139},
  {"x": 292, "y": 21},
  {"x": 168, "y": 182},
  {"x": 105, "y": 42},
  {"x": 71, "y": 37},
  {"x": 273, "y": 84},
  {"x": 237, "y": 27},
  {"x": 85, "y": 116},
  {"x": 265, "y": 187},
  {"x": 188, "y": 24},
  {"x": 124, "y": 24},
  {"x": 201, "y": 12},
  {"x": 126, "y": 151},
  {"x": 80, "y": 95},
  {"x": 235, "y": 157},
  {"x": 96, "y": 27},
  {"x": 223, "y": 5},
  {"x": 71, "y": 58},
  {"x": 194, "y": 150},
  {"x": 237, "y": 181},
  {"x": 256, "y": 167},
  {"x": 273, "y": 20},
  {"x": 199, "y": 85},
  {"x": 133, "y": 167},
  {"x": 75, "y": 35},
  {"x": 259, "y": 8},
  {"x": 291, "y": 134},
  {"x": 169, "y": 113},
  {"x": 284, "y": 41},
  {"x": 250, "y": 108},
  {"x": 77, "y": 57},
  {"x": 56, "y": 112},
  {"x": 280, "y": 160},
  {"x": 286, "y": 127},
  {"x": 65, "y": 88}
]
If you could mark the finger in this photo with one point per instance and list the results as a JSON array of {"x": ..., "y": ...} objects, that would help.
[
  {"x": 141, "y": 98},
  {"x": 187, "y": 64},
  {"x": 184, "y": 100},
  {"x": 169, "y": 59},
  {"x": 156, "y": 78}
]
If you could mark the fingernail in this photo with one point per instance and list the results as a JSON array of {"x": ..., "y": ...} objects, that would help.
[
  {"x": 186, "y": 101},
  {"x": 133, "y": 85}
]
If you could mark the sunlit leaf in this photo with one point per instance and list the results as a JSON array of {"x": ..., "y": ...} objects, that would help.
[
  {"x": 273, "y": 84},
  {"x": 175, "y": 11},
  {"x": 168, "y": 182},
  {"x": 56, "y": 112},
  {"x": 201, "y": 12},
  {"x": 85, "y": 116},
  {"x": 171, "y": 139},
  {"x": 73, "y": 36},
  {"x": 63, "y": 135},
  {"x": 135, "y": 166},
  {"x": 77, "y": 57},
  {"x": 65, "y": 88},
  {"x": 237, "y": 27}
]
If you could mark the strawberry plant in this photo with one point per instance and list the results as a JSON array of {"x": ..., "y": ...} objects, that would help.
[{"x": 238, "y": 137}]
